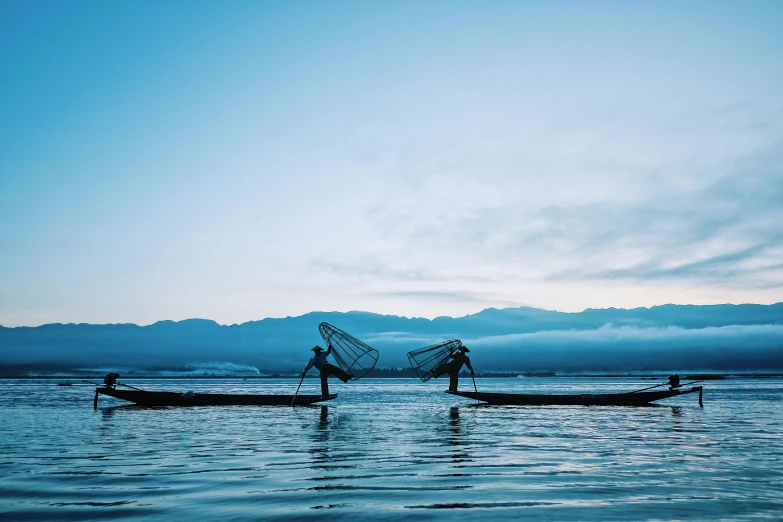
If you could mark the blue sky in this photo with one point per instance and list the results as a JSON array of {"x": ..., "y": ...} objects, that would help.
[{"x": 238, "y": 160}]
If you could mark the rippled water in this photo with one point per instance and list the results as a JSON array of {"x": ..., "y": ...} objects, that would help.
[{"x": 390, "y": 449}]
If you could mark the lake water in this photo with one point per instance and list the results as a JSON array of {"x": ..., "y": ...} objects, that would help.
[{"x": 388, "y": 449}]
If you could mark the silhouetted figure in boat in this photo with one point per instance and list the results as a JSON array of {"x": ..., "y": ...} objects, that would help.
[
  {"x": 453, "y": 367},
  {"x": 319, "y": 361},
  {"x": 111, "y": 379}
]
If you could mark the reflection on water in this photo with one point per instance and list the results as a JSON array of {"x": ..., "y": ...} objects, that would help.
[
  {"x": 460, "y": 449},
  {"x": 390, "y": 448},
  {"x": 454, "y": 426},
  {"x": 677, "y": 415},
  {"x": 320, "y": 449}
]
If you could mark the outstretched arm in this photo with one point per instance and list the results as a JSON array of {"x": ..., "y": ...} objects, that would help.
[
  {"x": 328, "y": 351},
  {"x": 467, "y": 363},
  {"x": 309, "y": 365}
]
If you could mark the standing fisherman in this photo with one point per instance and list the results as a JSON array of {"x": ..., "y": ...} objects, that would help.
[
  {"x": 319, "y": 361},
  {"x": 453, "y": 367}
]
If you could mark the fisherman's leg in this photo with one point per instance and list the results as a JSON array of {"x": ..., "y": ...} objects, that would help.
[
  {"x": 440, "y": 370},
  {"x": 324, "y": 382},
  {"x": 339, "y": 373},
  {"x": 453, "y": 380}
]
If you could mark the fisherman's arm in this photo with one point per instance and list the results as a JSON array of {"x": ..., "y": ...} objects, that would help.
[
  {"x": 467, "y": 363},
  {"x": 309, "y": 365}
]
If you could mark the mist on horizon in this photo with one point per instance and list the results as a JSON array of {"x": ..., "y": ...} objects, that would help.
[{"x": 721, "y": 338}]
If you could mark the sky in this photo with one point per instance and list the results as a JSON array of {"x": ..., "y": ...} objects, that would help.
[{"x": 239, "y": 160}]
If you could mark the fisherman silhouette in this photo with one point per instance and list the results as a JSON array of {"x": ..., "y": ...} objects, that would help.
[
  {"x": 453, "y": 367},
  {"x": 319, "y": 361}
]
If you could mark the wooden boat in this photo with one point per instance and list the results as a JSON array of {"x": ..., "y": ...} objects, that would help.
[
  {"x": 152, "y": 398},
  {"x": 642, "y": 398}
]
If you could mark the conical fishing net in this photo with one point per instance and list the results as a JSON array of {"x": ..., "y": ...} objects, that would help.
[
  {"x": 425, "y": 360},
  {"x": 351, "y": 354}
]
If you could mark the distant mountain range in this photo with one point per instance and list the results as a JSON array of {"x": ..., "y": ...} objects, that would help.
[{"x": 672, "y": 337}]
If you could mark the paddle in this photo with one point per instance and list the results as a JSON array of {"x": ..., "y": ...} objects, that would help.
[
  {"x": 297, "y": 388},
  {"x": 118, "y": 384},
  {"x": 95, "y": 402},
  {"x": 472, "y": 376},
  {"x": 648, "y": 388},
  {"x": 664, "y": 384},
  {"x": 131, "y": 387}
]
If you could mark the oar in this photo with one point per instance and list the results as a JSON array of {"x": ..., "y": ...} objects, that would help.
[
  {"x": 131, "y": 387},
  {"x": 648, "y": 388},
  {"x": 474, "y": 385},
  {"x": 118, "y": 384},
  {"x": 664, "y": 384},
  {"x": 297, "y": 388},
  {"x": 95, "y": 401}
]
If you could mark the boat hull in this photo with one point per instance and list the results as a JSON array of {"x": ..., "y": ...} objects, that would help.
[
  {"x": 599, "y": 399},
  {"x": 151, "y": 398}
]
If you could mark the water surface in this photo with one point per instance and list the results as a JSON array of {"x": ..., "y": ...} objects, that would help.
[{"x": 391, "y": 448}]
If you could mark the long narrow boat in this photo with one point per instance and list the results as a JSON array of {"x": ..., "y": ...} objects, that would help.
[
  {"x": 598, "y": 399},
  {"x": 150, "y": 398}
]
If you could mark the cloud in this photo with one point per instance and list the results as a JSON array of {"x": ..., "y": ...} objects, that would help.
[
  {"x": 472, "y": 297},
  {"x": 372, "y": 268},
  {"x": 406, "y": 339},
  {"x": 609, "y": 348},
  {"x": 725, "y": 269},
  {"x": 722, "y": 227},
  {"x": 728, "y": 234},
  {"x": 738, "y": 347},
  {"x": 220, "y": 368},
  {"x": 698, "y": 223}
]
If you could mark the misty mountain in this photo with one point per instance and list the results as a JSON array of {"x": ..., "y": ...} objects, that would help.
[{"x": 670, "y": 337}]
